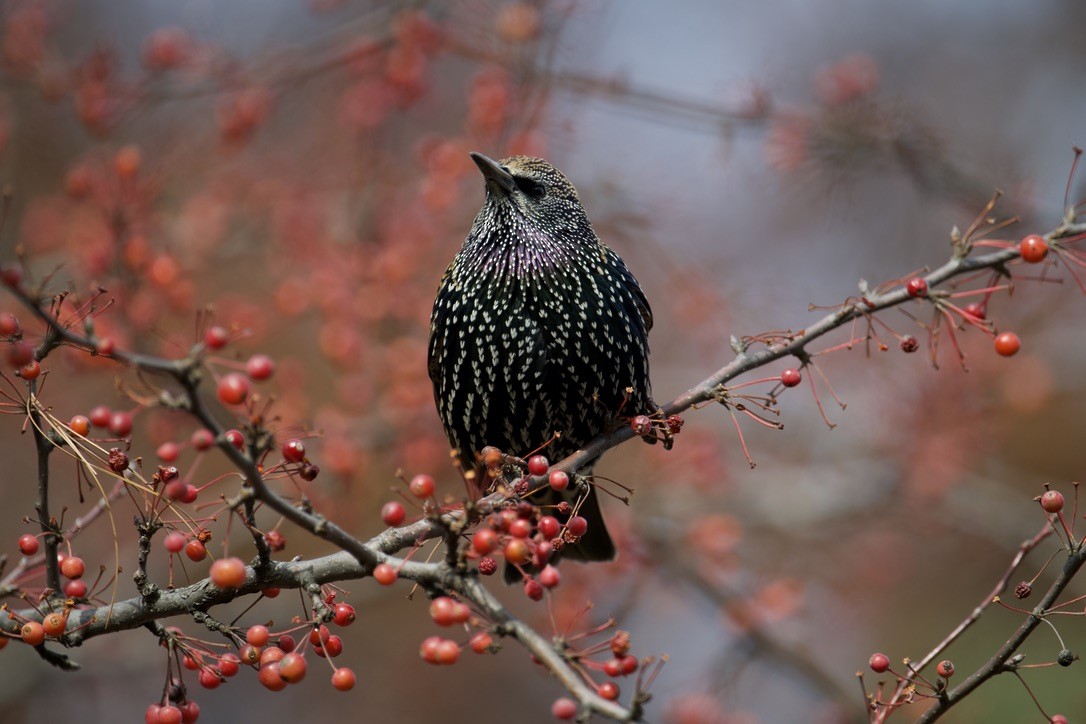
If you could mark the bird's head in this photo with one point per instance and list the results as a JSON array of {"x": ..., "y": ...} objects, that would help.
[{"x": 529, "y": 192}]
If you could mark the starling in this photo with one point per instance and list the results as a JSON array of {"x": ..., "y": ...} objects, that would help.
[{"x": 538, "y": 328}]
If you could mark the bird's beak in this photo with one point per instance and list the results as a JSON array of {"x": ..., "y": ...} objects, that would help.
[{"x": 493, "y": 172}]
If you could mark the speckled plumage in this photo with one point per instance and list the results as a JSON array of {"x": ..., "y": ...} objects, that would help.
[{"x": 538, "y": 327}]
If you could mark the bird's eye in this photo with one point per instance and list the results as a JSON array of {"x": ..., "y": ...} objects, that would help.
[{"x": 531, "y": 187}]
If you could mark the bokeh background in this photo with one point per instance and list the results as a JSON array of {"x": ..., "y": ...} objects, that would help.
[{"x": 300, "y": 168}]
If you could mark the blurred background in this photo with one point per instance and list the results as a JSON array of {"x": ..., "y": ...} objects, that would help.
[{"x": 300, "y": 169}]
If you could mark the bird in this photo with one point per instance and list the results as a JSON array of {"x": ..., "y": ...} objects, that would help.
[{"x": 538, "y": 328}]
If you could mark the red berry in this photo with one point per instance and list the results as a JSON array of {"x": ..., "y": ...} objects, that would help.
[
  {"x": 641, "y": 425},
  {"x": 75, "y": 589},
  {"x": 28, "y": 544},
  {"x": 54, "y": 624},
  {"x": 271, "y": 592},
  {"x": 235, "y": 438},
  {"x": 80, "y": 425},
  {"x": 269, "y": 677},
  {"x": 9, "y": 325},
  {"x": 100, "y": 416},
  {"x": 32, "y": 633},
  {"x": 428, "y": 649},
  {"x": 343, "y": 679},
  {"x": 791, "y": 378},
  {"x": 442, "y": 611},
  {"x": 564, "y": 709},
  {"x": 879, "y": 663},
  {"x": 216, "y": 337},
  {"x": 1058, "y": 719},
  {"x": 612, "y": 667},
  {"x": 516, "y": 552},
  {"x": 30, "y": 371},
  {"x": 945, "y": 668},
  {"x": 558, "y": 479},
  {"x": 249, "y": 654},
  {"x": 72, "y": 567},
  {"x": 976, "y": 310},
  {"x": 257, "y": 635},
  {"x": 168, "y": 452},
  {"x": 608, "y": 690},
  {"x": 105, "y": 346},
  {"x": 292, "y": 668},
  {"x": 319, "y": 636},
  {"x": 393, "y": 513},
  {"x": 520, "y": 528},
  {"x": 190, "y": 712},
  {"x": 202, "y": 439},
  {"x": 210, "y": 679},
  {"x": 260, "y": 367},
  {"x": 537, "y": 465},
  {"x": 151, "y": 715},
  {"x": 195, "y": 551},
  {"x": 1007, "y": 344},
  {"x": 174, "y": 542},
  {"x": 293, "y": 451},
  {"x": 228, "y": 572},
  {"x": 917, "y": 287},
  {"x": 343, "y": 614},
  {"x": 533, "y": 589},
  {"x": 1052, "y": 501},
  {"x": 448, "y": 652},
  {"x": 909, "y": 344},
  {"x": 385, "y": 574},
  {"x": 120, "y": 423},
  {"x": 170, "y": 715},
  {"x": 286, "y": 643},
  {"x": 271, "y": 655},
  {"x": 1033, "y": 249},
  {"x": 481, "y": 642},
  {"x": 422, "y": 486},
  {"x": 549, "y": 577},
  {"x": 20, "y": 353},
  {"x": 233, "y": 389},
  {"x": 484, "y": 541},
  {"x": 549, "y": 527},
  {"x": 629, "y": 664},
  {"x": 487, "y": 566},
  {"x": 577, "y": 525},
  {"x": 229, "y": 665}
]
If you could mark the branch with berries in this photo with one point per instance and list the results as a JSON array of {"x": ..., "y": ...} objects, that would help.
[{"x": 504, "y": 522}]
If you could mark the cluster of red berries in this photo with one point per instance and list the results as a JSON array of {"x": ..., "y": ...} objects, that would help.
[{"x": 447, "y": 611}]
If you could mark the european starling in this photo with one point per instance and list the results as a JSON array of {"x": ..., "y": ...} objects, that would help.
[{"x": 538, "y": 328}]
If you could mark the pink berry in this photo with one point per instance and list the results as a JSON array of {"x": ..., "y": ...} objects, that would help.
[
  {"x": 917, "y": 287},
  {"x": 422, "y": 486},
  {"x": 791, "y": 377},
  {"x": 393, "y": 513},
  {"x": 260, "y": 367},
  {"x": 293, "y": 451},
  {"x": 558, "y": 479},
  {"x": 233, "y": 389},
  {"x": 216, "y": 337},
  {"x": 28, "y": 544},
  {"x": 228, "y": 573},
  {"x": 1033, "y": 249},
  {"x": 577, "y": 525},
  {"x": 537, "y": 465},
  {"x": 1052, "y": 501},
  {"x": 564, "y": 709}
]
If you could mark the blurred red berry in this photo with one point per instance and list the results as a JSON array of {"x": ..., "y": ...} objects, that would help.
[
  {"x": 1007, "y": 344},
  {"x": 1033, "y": 249}
]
